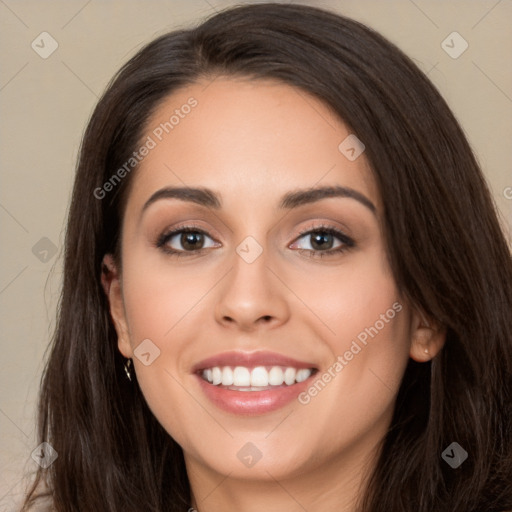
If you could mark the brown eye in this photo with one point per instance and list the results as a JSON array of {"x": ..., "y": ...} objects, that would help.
[
  {"x": 321, "y": 242},
  {"x": 184, "y": 240},
  {"x": 191, "y": 241}
]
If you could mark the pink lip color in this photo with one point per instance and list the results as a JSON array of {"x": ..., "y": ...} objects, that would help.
[{"x": 251, "y": 402}]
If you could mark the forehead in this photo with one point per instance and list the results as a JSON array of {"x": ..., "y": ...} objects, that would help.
[{"x": 247, "y": 139}]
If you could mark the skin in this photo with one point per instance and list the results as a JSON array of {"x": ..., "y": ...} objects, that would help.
[{"x": 252, "y": 142}]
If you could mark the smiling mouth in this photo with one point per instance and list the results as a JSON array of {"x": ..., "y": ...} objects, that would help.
[{"x": 258, "y": 378}]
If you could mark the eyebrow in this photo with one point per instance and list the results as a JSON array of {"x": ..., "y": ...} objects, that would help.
[{"x": 207, "y": 197}]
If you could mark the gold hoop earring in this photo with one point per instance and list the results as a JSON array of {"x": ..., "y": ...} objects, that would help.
[{"x": 127, "y": 366}]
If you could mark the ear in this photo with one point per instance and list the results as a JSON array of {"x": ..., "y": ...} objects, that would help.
[
  {"x": 111, "y": 282},
  {"x": 427, "y": 339}
]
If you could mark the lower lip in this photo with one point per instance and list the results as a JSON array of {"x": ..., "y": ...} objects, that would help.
[{"x": 252, "y": 402}]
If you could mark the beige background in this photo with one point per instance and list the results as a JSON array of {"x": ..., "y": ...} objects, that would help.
[{"x": 45, "y": 104}]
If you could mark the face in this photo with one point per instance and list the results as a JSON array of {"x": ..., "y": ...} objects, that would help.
[{"x": 260, "y": 279}]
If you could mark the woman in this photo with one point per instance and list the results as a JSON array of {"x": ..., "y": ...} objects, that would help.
[{"x": 285, "y": 285}]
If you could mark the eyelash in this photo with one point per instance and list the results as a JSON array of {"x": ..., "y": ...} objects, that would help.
[{"x": 347, "y": 243}]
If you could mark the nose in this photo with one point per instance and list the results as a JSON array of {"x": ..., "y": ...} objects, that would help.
[{"x": 252, "y": 296}]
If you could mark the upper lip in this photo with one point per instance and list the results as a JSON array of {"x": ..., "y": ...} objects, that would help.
[{"x": 250, "y": 359}]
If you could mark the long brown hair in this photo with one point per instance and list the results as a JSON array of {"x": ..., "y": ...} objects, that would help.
[{"x": 446, "y": 250}]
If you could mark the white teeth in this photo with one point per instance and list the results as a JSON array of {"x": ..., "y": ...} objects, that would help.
[
  {"x": 302, "y": 375},
  {"x": 227, "y": 376},
  {"x": 275, "y": 376},
  {"x": 241, "y": 376},
  {"x": 289, "y": 376},
  {"x": 258, "y": 377},
  {"x": 216, "y": 375}
]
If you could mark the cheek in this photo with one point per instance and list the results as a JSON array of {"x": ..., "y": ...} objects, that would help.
[
  {"x": 164, "y": 305},
  {"x": 368, "y": 338},
  {"x": 372, "y": 316},
  {"x": 357, "y": 301},
  {"x": 159, "y": 298}
]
